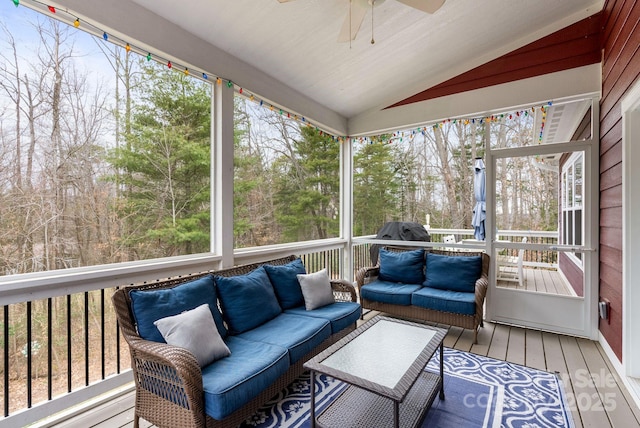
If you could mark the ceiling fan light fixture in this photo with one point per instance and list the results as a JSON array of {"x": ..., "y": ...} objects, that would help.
[{"x": 359, "y": 8}]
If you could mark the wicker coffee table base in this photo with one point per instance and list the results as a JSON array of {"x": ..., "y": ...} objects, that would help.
[{"x": 359, "y": 408}]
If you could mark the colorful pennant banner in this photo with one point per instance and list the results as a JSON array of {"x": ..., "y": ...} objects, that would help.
[
  {"x": 399, "y": 136},
  {"x": 68, "y": 16}
]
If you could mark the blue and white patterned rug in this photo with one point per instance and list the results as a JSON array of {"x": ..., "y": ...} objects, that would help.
[{"x": 480, "y": 392}]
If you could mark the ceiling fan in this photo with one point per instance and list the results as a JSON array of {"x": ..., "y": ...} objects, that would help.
[{"x": 359, "y": 8}]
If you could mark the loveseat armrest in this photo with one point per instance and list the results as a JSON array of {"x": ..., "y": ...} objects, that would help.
[
  {"x": 343, "y": 288},
  {"x": 482, "y": 284},
  {"x": 170, "y": 373},
  {"x": 481, "y": 289},
  {"x": 365, "y": 274}
]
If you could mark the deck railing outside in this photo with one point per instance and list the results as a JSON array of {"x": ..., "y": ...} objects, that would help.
[
  {"x": 60, "y": 339},
  {"x": 531, "y": 258}
]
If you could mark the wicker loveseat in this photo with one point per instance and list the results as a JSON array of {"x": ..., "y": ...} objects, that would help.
[
  {"x": 173, "y": 390},
  {"x": 435, "y": 295}
]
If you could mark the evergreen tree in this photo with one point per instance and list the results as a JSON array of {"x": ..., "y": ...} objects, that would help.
[
  {"x": 308, "y": 188},
  {"x": 375, "y": 188},
  {"x": 167, "y": 165}
]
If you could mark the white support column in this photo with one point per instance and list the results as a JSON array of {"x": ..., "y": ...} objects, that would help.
[
  {"x": 222, "y": 174},
  {"x": 631, "y": 238},
  {"x": 490, "y": 220},
  {"x": 591, "y": 220},
  {"x": 346, "y": 206}
]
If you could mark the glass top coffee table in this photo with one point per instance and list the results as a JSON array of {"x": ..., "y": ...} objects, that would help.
[{"x": 383, "y": 360}]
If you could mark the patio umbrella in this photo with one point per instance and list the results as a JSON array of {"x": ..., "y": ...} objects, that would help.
[{"x": 480, "y": 208}]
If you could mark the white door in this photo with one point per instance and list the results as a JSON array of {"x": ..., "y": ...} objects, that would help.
[{"x": 573, "y": 252}]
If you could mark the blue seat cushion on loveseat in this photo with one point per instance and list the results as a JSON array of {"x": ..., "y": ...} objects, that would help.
[
  {"x": 299, "y": 334},
  {"x": 339, "y": 314},
  {"x": 149, "y": 306},
  {"x": 455, "y": 273},
  {"x": 389, "y": 292},
  {"x": 445, "y": 300},
  {"x": 231, "y": 382},
  {"x": 285, "y": 283}
]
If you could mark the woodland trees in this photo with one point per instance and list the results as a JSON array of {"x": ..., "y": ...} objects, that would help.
[{"x": 102, "y": 167}]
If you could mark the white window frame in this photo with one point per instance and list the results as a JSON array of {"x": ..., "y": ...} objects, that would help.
[{"x": 568, "y": 205}]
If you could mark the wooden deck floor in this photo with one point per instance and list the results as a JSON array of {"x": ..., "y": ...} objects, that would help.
[
  {"x": 542, "y": 281},
  {"x": 598, "y": 397}
]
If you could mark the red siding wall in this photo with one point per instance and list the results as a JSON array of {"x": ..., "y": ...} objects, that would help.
[
  {"x": 620, "y": 69},
  {"x": 574, "y": 46},
  {"x": 572, "y": 272}
]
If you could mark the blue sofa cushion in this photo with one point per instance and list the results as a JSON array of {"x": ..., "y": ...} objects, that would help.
[
  {"x": 231, "y": 382},
  {"x": 456, "y": 273},
  {"x": 445, "y": 300},
  {"x": 248, "y": 300},
  {"x": 406, "y": 267},
  {"x": 339, "y": 314},
  {"x": 149, "y": 306},
  {"x": 285, "y": 283},
  {"x": 389, "y": 292},
  {"x": 296, "y": 333}
]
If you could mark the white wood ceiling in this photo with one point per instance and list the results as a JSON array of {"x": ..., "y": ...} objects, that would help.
[{"x": 296, "y": 42}]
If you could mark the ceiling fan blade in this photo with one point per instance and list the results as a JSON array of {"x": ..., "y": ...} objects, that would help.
[
  {"x": 429, "y": 6},
  {"x": 284, "y": 1},
  {"x": 359, "y": 9}
]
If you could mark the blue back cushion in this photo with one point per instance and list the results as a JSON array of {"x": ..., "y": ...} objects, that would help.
[
  {"x": 151, "y": 305},
  {"x": 456, "y": 273},
  {"x": 285, "y": 283},
  {"x": 248, "y": 300},
  {"x": 406, "y": 267}
]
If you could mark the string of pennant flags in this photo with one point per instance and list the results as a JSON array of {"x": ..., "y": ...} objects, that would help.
[
  {"x": 67, "y": 16},
  {"x": 398, "y": 136}
]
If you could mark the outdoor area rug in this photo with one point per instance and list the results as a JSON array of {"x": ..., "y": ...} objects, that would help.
[{"x": 479, "y": 392}]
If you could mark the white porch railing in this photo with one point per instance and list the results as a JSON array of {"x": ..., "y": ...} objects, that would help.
[{"x": 60, "y": 339}]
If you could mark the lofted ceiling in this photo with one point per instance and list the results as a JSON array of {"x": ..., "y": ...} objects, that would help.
[{"x": 296, "y": 42}]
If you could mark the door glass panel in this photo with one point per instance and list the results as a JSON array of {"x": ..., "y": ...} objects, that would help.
[
  {"x": 541, "y": 124},
  {"x": 538, "y": 202},
  {"x": 578, "y": 181}
]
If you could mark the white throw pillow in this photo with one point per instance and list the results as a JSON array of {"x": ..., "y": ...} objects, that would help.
[
  {"x": 196, "y": 331},
  {"x": 316, "y": 289}
]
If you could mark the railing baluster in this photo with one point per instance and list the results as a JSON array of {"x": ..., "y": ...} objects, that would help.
[
  {"x": 6, "y": 361},
  {"x": 102, "y": 329},
  {"x": 29, "y": 357},
  {"x": 69, "y": 356},
  {"x": 117, "y": 347},
  {"x": 86, "y": 338},
  {"x": 49, "y": 348}
]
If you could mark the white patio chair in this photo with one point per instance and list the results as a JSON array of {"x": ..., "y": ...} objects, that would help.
[
  {"x": 509, "y": 268},
  {"x": 449, "y": 239}
]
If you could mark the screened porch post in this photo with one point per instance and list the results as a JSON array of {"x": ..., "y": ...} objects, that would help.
[
  {"x": 346, "y": 207},
  {"x": 222, "y": 163}
]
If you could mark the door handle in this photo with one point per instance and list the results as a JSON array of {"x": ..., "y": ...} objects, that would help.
[{"x": 571, "y": 248}]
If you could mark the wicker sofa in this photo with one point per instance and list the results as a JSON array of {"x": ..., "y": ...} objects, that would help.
[
  {"x": 173, "y": 390},
  {"x": 448, "y": 303}
]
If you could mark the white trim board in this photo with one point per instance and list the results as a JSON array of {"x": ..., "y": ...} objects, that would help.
[
  {"x": 579, "y": 81},
  {"x": 630, "y": 107},
  {"x": 632, "y": 384}
]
